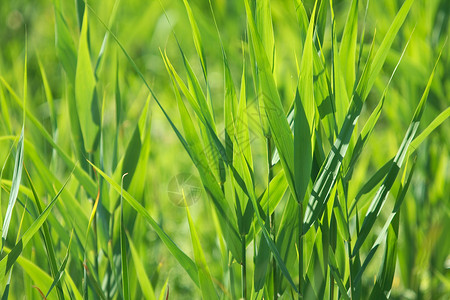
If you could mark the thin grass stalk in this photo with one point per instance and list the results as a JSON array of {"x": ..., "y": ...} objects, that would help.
[
  {"x": 272, "y": 216},
  {"x": 300, "y": 250},
  {"x": 244, "y": 269}
]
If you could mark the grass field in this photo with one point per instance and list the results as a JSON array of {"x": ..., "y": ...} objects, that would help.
[{"x": 218, "y": 149}]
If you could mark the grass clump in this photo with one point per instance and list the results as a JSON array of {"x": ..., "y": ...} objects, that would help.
[{"x": 290, "y": 149}]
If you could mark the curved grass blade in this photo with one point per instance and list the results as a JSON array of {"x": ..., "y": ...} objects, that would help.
[{"x": 123, "y": 248}]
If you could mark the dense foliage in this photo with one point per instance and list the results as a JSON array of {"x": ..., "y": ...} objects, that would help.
[{"x": 224, "y": 149}]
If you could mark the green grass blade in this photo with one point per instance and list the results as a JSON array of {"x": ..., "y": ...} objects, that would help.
[
  {"x": 204, "y": 275},
  {"x": 85, "y": 82},
  {"x": 179, "y": 255},
  {"x": 18, "y": 165},
  {"x": 65, "y": 47},
  {"x": 144, "y": 281},
  {"x": 368, "y": 78},
  {"x": 371, "y": 122},
  {"x": 62, "y": 268},
  {"x": 426, "y": 132},
  {"x": 197, "y": 37},
  {"x": 123, "y": 249},
  {"x": 334, "y": 270},
  {"x": 249, "y": 183},
  {"x": 196, "y": 152},
  {"x": 304, "y": 117},
  {"x": 47, "y": 239},
  {"x": 347, "y": 50},
  {"x": 330, "y": 168}
]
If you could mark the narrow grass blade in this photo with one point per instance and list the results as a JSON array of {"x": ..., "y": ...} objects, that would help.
[
  {"x": 426, "y": 132},
  {"x": 123, "y": 249},
  {"x": 17, "y": 175},
  {"x": 304, "y": 117},
  {"x": 334, "y": 270},
  {"x": 338, "y": 81},
  {"x": 384, "y": 280},
  {"x": 47, "y": 239},
  {"x": 197, "y": 153},
  {"x": 347, "y": 50},
  {"x": 164, "y": 295},
  {"x": 204, "y": 275},
  {"x": 86, "y": 102},
  {"x": 62, "y": 268},
  {"x": 144, "y": 281},
  {"x": 197, "y": 37},
  {"x": 65, "y": 47},
  {"x": 179, "y": 255},
  {"x": 368, "y": 78}
]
